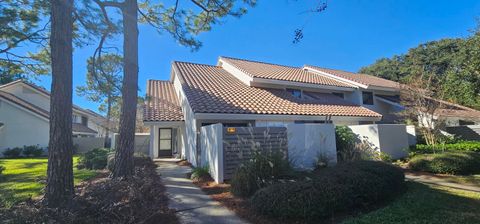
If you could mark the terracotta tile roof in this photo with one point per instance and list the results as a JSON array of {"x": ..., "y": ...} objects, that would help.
[
  {"x": 468, "y": 114},
  {"x": 280, "y": 72},
  {"x": 12, "y": 98},
  {"x": 364, "y": 79},
  {"x": 80, "y": 128},
  {"x": 211, "y": 89},
  {"x": 162, "y": 102}
]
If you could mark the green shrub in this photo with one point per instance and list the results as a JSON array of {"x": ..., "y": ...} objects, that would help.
[
  {"x": 13, "y": 152},
  {"x": 94, "y": 160},
  {"x": 32, "y": 151},
  {"x": 346, "y": 141},
  {"x": 455, "y": 162},
  {"x": 200, "y": 174},
  {"x": 459, "y": 146},
  {"x": 346, "y": 187},
  {"x": 262, "y": 170}
]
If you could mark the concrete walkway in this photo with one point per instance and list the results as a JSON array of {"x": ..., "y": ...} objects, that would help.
[
  {"x": 439, "y": 181},
  {"x": 190, "y": 202}
]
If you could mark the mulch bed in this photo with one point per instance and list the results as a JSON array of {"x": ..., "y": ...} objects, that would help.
[
  {"x": 241, "y": 206},
  {"x": 139, "y": 199},
  {"x": 184, "y": 162}
]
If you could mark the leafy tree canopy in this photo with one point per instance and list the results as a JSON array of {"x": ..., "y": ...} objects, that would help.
[{"x": 455, "y": 64}]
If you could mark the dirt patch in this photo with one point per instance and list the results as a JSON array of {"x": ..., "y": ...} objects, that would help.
[{"x": 139, "y": 199}]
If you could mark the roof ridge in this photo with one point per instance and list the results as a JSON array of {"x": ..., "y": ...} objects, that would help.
[
  {"x": 261, "y": 62},
  {"x": 193, "y": 63}
]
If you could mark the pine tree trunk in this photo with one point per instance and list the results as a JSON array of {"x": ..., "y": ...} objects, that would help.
[
  {"x": 59, "y": 190},
  {"x": 107, "y": 144},
  {"x": 124, "y": 155}
]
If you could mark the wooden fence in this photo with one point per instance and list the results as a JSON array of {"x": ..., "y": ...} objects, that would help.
[{"x": 239, "y": 144}]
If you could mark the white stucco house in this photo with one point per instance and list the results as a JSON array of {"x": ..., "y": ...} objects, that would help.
[
  {"x": 239, "y": 93},
  {"x": 24, "y": 117}
]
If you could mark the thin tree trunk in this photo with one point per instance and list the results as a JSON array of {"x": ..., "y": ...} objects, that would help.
[
  {"x": 124, "y": 155},
  {"x": 109, "y": 116},
  {"x": 59, "y": 190}
]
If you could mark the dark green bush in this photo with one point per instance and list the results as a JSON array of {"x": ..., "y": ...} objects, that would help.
[
  {"x": 346, "y": 187},
  {"x": 94, "y": 160},
  {"x": 262, "y": 170},
  {"x": 455, "y": 162},
  {"x": 13, "y": 152},
  {"x": 473, "y": 146},
  {"x": 32, "y": 151}
]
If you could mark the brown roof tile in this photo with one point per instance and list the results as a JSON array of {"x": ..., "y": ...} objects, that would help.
[
  {"x": 280, "y": 72},
  {"x": 364, "y": 79},
  {"x": 162, "y": 102},
  {"x": 211, "y": 89}
]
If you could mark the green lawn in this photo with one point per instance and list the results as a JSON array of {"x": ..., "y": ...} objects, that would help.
[
  {"x": 425, "y": 204},
  {"x": 26, "y": 177}
]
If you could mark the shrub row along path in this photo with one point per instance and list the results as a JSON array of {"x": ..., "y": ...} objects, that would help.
[
  {"x": 192, "y": 205},
  {"x": 438, "y": 180}
]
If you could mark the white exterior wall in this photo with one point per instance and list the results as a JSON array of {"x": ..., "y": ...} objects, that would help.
[
  {"x": 192, "y": 127},
  {"x": 412, "y": 135},
  {"x": 388, "y": 138},
  {"x": 309, "y": 142},
  {"x": 21, "y": 127},
  {"x": 212, "y": 150}
]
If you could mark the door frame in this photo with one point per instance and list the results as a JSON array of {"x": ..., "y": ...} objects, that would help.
[{"x": 171, "y": 142}]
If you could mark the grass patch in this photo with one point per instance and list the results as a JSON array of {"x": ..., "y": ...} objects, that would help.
[
  {"x": 427, "y": 204},
  {"x": 26, "y": 177}
]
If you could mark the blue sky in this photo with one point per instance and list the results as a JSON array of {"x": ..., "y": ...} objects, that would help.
[{"x": 348, "y": 35}]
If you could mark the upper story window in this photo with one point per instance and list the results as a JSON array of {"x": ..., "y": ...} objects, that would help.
[
  {"x": 341, "y": 95},
  {"x": 367, "y": 98},
  {"x": 295, "y": 92},
  {"x": 84, "y": 120}
]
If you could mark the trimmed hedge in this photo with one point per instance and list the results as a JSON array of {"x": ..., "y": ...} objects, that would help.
[
  {"x": 458, "y": 162},
  {"x": 347, "y": 186},
  {"x": 460, "y": 146}
]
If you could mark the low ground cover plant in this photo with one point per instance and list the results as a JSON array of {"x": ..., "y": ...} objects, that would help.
[
  {"x": 94, "y": 160},
  {"x": 200, "y": 174},
  {"x": 459, "y": 146},
  {"x": 454, "y": 162},
  {"x": 345, "y": 187},
  {"x": 32, "y": 151},
  {"x": 262, "y": 170},
  {"x": 25, "y": 151}
]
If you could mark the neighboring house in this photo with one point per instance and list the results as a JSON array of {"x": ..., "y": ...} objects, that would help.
[
  {"x": 240, "y": 93},
  {"x": 24, "y": 117}
]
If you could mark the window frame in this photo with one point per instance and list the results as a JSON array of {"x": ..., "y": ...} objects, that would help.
[{"x": 364, "y": 100}]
